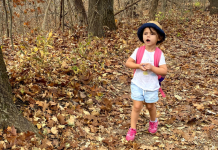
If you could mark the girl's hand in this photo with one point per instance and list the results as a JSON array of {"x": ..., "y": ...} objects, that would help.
[
  {"x": 142, "y": 67},
  {"x": 148, "y": 66}
]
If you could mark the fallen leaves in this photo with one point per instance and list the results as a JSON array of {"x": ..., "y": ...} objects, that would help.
[
  {"x": 199, "y": 106},
  {"x": 215, "y": 92},
  {"x": 95, "y": 112},
  {"x": 80, "y": 96},
  {"x": 178, "y": 97},
  {"x": 54, "y": 130},
  {"x": 61, "y": 119}
]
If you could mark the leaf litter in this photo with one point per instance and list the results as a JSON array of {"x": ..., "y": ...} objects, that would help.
[{"x": 76, "y": 89}]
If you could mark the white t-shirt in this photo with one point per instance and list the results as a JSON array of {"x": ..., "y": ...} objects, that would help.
[{"x": 147, "y": 80}]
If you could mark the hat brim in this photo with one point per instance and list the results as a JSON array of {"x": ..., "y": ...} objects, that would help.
[{"x": 159, "y": 30}]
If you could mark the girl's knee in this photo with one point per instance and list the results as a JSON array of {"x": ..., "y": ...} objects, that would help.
[
  {"x": 137, "y": 108},
  {"x": 150, "y": 106}
]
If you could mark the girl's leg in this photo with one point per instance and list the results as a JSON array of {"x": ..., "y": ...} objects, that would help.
[
  {"x": 152, "y": 110},
  {"x": 137, "y": 106},
  {"x": 153, "y": 123}
]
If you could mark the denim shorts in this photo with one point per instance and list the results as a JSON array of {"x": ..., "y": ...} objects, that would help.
[{"x": 139, "y": 94}]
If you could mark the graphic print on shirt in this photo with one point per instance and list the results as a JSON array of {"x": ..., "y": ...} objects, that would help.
[
  {"x": 150, "y": 81},
  {"x": 148, "y": 60}
]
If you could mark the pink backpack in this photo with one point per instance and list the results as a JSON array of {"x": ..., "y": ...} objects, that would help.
[{"x": 157, "y": 55}]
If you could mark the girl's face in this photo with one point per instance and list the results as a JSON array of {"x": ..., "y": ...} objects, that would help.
[{"x": 150, "y": 36}]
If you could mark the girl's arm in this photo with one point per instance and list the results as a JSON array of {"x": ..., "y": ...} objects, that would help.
[
  {"x": 130, "y": 63},
  {"x": 161, "y": 70}
]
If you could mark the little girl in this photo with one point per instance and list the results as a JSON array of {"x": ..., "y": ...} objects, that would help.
[{"x": 145, "y": 84}]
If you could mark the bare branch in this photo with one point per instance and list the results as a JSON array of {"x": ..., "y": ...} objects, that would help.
[{"x": 126, "y": 7}]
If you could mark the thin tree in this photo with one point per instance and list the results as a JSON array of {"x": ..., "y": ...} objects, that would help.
[
  {"x": 9, "y": 114},
  {"x": 130, "y": 11},
  {"x": 61, "y": 23},
  {"x": 127, "y": 7},
  {"x": 45, "y": 17},
  {"x": 153, "y": 9},
  {"x": 1, "y": 21},
  {"x": 6, "y": 18},
  {"x": 11, "y": 37},
  {"x": 55, "y": 11},
  {"x": 62, "y": 4},
  {"x": 213, "y": 8},
  {"x": 36, "y": 12},
  {"x": 164, "y": 6}
]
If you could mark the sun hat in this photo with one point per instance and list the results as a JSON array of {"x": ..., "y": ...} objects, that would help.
[{"x": 153, "y": 24}]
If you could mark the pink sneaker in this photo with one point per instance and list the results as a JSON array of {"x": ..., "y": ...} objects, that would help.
[
  {"x": 153, "y": 127},
  {"x": 131, "y": 134}
]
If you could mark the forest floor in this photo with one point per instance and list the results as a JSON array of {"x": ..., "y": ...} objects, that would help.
[{"x": 76, "y": 90}]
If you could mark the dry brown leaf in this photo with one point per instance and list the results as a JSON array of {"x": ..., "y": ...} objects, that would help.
[
  {"x": 40, "y": 103},
  {"x": 45, "y": 106},
  {"x": 54, "y": 130},
  {"x": 199, "y": 106},
  {"x": 35, "y": 88},
  {"x": 215, "y": 92},
  {"x": 71, "y": 121},
  {"x": 13, "y": 131},
  {"x": 61, "y": 119},
  {"x": 82, "y": 95},
  {"x": 148, "y": 147},
  {"x": 93, "y": 129},
  {"x": 64, "y": 65},
  {"x": 214, "y": 121},
  {"x": 44, "y": 143},
  {"x": 95, "y": 113},
  {"x": 169, "y": 146}
]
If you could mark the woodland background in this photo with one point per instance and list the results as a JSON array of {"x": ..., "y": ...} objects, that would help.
[{"x": 74, "y": 87}]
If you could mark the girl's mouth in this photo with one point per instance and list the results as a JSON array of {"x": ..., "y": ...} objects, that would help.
[{"x": 148, "y": 40}]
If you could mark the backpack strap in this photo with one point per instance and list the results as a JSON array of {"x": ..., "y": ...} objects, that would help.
[
  {"x": 157, "y": 55},
  {"x": 139, "y": 55}
]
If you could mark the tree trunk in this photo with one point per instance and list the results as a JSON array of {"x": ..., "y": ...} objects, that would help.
[
  {"x": 95, "y": 18},
  {"x": 81, "y": 13},
  {"x": 9, "y": 114},
  {"x": 70, "y": 15},
  {"x": 45, "y": 17},
  {"x": 213, "y": 7},
  {"x": 153, "y": 9},
  {"x": 6, "y": 18},
  {"x": 100, "y": 14},
  {"x": 108, "y": 14}
]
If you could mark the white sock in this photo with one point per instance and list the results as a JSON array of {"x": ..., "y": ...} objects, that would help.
[{"x": 154, "y": 121}]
